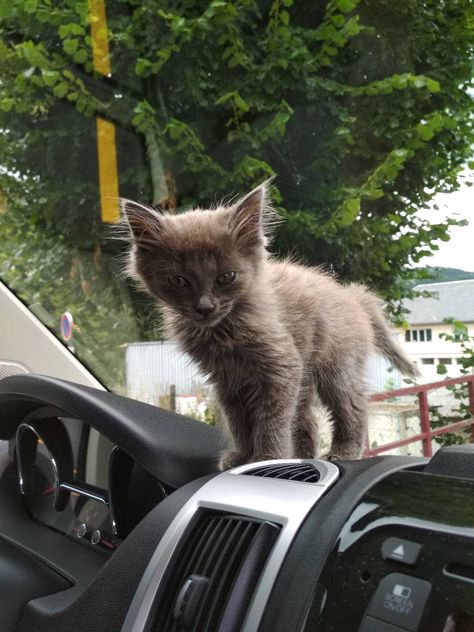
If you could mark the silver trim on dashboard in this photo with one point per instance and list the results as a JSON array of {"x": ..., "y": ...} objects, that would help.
[
  {"x": 284, "y": 502},
  {"x": 82, "y": 491},
  {"x": 20, "y": 465}
]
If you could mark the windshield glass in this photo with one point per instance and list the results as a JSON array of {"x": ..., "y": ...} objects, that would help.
[{"x": 362, "y": 110}]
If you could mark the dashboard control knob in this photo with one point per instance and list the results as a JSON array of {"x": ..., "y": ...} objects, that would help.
[
  {"x": 82, "y": 530},
  {"x": 96, "y": 536}
]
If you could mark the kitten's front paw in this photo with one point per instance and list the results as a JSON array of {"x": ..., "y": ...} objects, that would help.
[
  {"x": 232, "y": 458},
  {"x": 342, "y": 455}
]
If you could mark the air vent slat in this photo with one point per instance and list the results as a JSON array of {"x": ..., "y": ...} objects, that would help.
[
  {"x": 212, "y": 556},
  {"x": 290, "y": 473},
  {"x": 184, "y": 567},
  {"x": 247, "y": 577},
  {"x": 213, "y": 552},
  {"x": 224, "y": 573},
  {"x": 205, "y": 548},
  {"x": 270, "y": 470},
  {"x": 301, "y": 472}
]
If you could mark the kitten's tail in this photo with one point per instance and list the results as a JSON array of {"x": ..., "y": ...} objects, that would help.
[{"x": 383, "y": 338}]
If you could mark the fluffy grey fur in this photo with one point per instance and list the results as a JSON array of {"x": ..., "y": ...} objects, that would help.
[{"x": 272, "y": 335}]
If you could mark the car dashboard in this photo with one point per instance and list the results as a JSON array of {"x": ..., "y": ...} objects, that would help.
[{"x": 114, "y": 517}]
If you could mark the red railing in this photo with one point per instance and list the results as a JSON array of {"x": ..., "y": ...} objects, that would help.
[{"x": 427, "y": 433}]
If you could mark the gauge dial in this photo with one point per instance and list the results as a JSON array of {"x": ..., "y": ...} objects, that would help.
[
  {"x": 38, "y": 472},
  {"x": 94, "y": 514}
]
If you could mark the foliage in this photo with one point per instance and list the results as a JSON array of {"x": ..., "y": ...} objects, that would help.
[
  {"x": 100, "y": 333},
  {"x": 361, "y": 107},
  {"x": 459, "y": 391}
]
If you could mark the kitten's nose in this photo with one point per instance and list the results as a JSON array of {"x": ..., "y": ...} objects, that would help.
[{"x": 204, "y": 306}]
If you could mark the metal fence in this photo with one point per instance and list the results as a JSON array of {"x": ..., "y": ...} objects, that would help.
[{"x": 427, "y": 432}]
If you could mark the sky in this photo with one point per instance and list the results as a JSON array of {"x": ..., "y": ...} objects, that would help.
[{"x": 459, "y": 251}]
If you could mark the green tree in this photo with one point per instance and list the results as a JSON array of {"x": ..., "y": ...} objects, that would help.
[
  {"x": 361, "y": 108},
  {"x": 460, "y": 392}
]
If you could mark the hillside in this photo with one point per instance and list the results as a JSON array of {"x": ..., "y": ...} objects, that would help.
[{"x": 440, "y": 275}]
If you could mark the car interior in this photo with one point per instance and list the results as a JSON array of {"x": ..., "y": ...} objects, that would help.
[{"x": 115, "y": 518}]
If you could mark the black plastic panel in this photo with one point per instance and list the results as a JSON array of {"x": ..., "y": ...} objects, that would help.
[
  {"x": 173, "y": 448},
  {"x": 434, "y": 512},
  {"x": 23, "y": 577}
]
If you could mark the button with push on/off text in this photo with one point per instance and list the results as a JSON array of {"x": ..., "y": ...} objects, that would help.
[{"x": 400, "y": 600}]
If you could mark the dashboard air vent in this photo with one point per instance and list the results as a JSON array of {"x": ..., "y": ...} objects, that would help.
[
  {"x": 214, "y": 574},
  {"x": 303, "y": 472}
]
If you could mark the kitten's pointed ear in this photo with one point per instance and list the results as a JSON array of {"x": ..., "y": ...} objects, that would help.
[
  {"x": 248, "y": 216},
  {"x": 144, "y": 224}
]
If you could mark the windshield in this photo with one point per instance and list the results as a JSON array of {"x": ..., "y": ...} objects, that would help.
[{"x": 362, "y": 110}]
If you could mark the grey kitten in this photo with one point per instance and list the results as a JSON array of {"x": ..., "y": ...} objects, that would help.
[{"x": 273, "y": 336}]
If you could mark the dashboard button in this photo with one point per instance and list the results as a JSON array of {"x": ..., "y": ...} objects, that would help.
[
  {"x": 375, "y": 625},
  {"x": 401, "y": 551},
  {"x": 82, "y": 530},
  {"x": 400, "y": 600}
]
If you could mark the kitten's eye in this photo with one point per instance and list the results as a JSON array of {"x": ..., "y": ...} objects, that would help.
[
  {"x": 178, "y": 281},
  {"x": 225, "y": 278}
]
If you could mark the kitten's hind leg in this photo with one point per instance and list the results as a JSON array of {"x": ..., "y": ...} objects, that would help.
[
  {"x": 305, "y": 429},
  {"x": 347, "y": 402}
]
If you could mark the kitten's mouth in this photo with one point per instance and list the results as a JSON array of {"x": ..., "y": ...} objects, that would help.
[
  {"x": 207, "y": 321},
  {"x": 210, "y": 320}
]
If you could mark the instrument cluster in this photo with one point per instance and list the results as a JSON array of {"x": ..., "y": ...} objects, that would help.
[{"x": 74, "y": 481}]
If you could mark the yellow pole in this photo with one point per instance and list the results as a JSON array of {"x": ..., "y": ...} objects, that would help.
[{"x": 106, "y": 145}]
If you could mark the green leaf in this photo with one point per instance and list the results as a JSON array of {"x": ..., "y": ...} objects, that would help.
[
  {"x": 240, "y": 103},
  {"x": 285, "y": 18},
  {"x": 141, "y": 66},
  {"x": 60, "y": 90},
  {"x": 337, "y": 20},
  {"x": 349, "y": 211},
  {"x": 425, "y": 131},
  {"x": 224, "y": 98},
  {"x": 375, "y": 194},
  {"x": 64, "y": 30},
  {"x": 42, "y": 15},
  {"x": 346, "y": 5},
  {"x": 81, "y": 56},
  {"x": 433, "y": 86},
  {"x": 70, "y": 46},
  {"x": 401, "y": 152},
  {"x": 6, "y": 104},
  {"x": 419, "y": 82},
  {"x": 30, "y": 6},
  {"x": 352, "y": 27},
  {"x": 174, "y": 131},
  {"x": 50, "y": 77}
]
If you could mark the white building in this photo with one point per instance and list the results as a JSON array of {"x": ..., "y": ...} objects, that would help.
[
  {"x": 423, "y": 340},
  {"x": 192, "y": 405},
  {"x": 152, "y": 368}
]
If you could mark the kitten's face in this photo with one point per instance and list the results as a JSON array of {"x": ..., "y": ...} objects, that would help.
[{"x": 202, "y": 262}]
